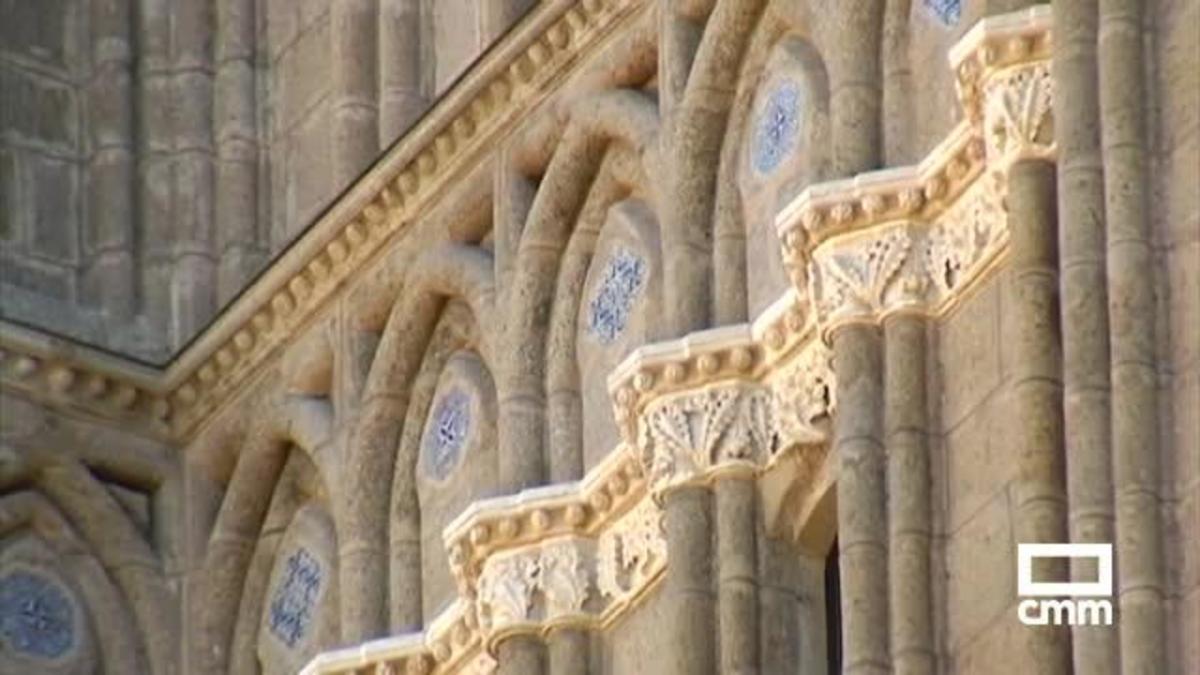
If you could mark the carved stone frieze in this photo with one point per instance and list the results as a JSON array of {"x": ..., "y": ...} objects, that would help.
[
  {"x": 805, "y": 396},
  {"x": 684, "y": 436},
  {"x": 527, "y": 589},
  {"x": 631, "y": 553}
]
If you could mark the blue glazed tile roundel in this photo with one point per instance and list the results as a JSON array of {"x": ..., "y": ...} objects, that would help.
[
  {"x": 37, "y": 619},
  {"x": 448, "y": 430},
  {"x": 608, "y": 311},
  {"x": 947, "y": 11},
  {"x": 777, "y": 127}
]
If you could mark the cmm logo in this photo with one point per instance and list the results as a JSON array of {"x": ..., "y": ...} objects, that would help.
[{"x": 1072, "y": 603}]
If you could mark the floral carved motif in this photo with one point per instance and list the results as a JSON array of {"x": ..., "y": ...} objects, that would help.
[
  {"x": 683, "y": 436},
  {"x": 631, "y": 552},
  {"x": 1018, "y": 119},
  {"x": 534, "y": 585},
  {"x": 506, "y": 590},
  {"x": 851, "y": 280},
  {"x": 967, "y": 234},
  {"x": 805, "y": 396}
]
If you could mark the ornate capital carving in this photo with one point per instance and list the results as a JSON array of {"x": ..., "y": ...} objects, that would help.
[
  {"x": 684, "y": 436},
  {"x": 1018, "y": 117},
  {"x": 532, "y": 588}
]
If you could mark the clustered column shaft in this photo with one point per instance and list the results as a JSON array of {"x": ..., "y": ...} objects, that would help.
[
  {"x": 737, "y": 562},
  {"x": 1084, "y": 307},
  {"x": 908, "y": 495},
  {"x": 1131, "y": 295},
  {"x": 862, "y": 511},
  {"x": 688, "y": 585},
  {"x": 111, "y": 165},
  {"x": 1036, "y": 387}
]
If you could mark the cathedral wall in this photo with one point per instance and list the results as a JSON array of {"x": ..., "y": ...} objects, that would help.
[{"x": 1174, "y": 125}]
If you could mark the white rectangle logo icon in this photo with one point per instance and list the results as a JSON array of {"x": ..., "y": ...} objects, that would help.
[{"x": 1100, "y": 588}]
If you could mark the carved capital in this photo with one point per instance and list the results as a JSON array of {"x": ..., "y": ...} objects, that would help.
[
  {"x": 683, "y": 437},
  {"x": 1018, "y": 115},
  {"x": 531, "y": 588}
]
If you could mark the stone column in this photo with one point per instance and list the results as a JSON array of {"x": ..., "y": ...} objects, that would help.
[
  {"x": 689, "y": 630},
  {"x": 896, "y": 98},
  {"x": 568, "y": 648},
  {"x": 737, "y": 563},
  {"x": 855, "y": 89},
  {"x": 110, "y": 277},
  {"x": 239, "y": 249},
  {"x": 862, "y": 515},
  {"x": 1039, "y": 493},
  {"x": 910, "y": 526},
  {"x": 193, "y": 276},
  {"x": 521, "y": 655},
  {"x": 400, "y": 99},
  {"x": 1135, "y": 432},
  {"x": 1084, "y": 305},
  {"x": 355, "y": 111}
]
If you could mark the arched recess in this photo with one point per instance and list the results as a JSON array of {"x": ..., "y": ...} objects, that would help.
[
  {"x": 300, "y": 616},
  {"x": 621, "y": 175},
  {"x": 455, "y": 332},
  {"x": 119, "y": 544},
  {"x": 447, "y": 271},
  {"x": 73, "y": 617},
  {"x": 456, "y": 465},
  {"x": 784, "y": 147},
  {"x": 299, "y": 487},
  {"x": 624, "y": 117},
  {"x": 619, "y": 309},
  {"x": 283, "y": 427}
]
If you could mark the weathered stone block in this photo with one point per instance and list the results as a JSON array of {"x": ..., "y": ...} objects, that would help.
[
  {"x": 979, "y": 460},
  {"x": 1183, "y": 271},
  {"x": 969, "y": 354},
  {"x": 303, "y": 76},
  {"x": 54, "y": 228},
  {"x": 980, "y": 564}
]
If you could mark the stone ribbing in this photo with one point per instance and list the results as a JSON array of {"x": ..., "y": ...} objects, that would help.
[
  {"x": 110, "y": 242},
  {"x": 400, "y": 99},
  {"x": 154, "y": 137},
  {"x": 910, "y": 512},
  {"x": 235, "y": 130},
  {"x": 862, "y": 508},
  {"x": 355, "y": 106},
  {"x": 1133, "y": 312},
  {"x": 193, "y": 268},
  {"x": 1086, "y": 386},
  {"x": 1039, "y": 498}
]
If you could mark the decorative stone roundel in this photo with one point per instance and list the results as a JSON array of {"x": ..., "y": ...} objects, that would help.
[
  {"x": 446, "y": 432},
  {"x": 947, "y": 11},
  {"x": 777, "y": 127},
  {"x": 295, "y": 598},
  {"x": 608, "y": 312},
  {"x": 37, "y": 618}
]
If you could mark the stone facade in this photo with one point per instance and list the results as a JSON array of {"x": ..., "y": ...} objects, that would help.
[{"x": 611, "y": 336}]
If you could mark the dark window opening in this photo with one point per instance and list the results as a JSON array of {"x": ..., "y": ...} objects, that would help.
[{"x": 833, "y": 612}]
